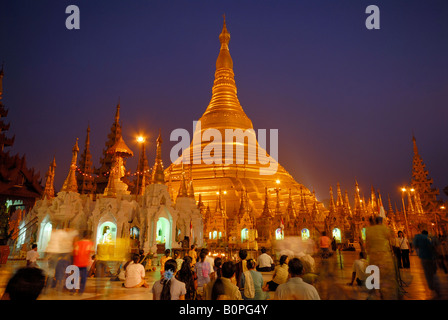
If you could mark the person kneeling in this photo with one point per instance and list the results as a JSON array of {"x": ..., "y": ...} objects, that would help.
[{"x": 135, "y": 274}]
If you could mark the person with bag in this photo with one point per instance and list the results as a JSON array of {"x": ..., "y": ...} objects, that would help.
[{"x": 252, "y": 282}]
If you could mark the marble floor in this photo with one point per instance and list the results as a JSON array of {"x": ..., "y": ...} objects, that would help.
[{"x": 414, "y": 285}]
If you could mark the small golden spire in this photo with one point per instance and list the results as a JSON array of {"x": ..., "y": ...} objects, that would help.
[
  {"x": 70, "y": 183},
  {"x": 158, "y": 174}
]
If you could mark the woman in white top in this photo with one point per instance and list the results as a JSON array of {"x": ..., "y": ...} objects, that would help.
[
  {"x": 135, "y": 274},
  {"x": 169, "y": 288},
  {"x": 403, "y": 246}
]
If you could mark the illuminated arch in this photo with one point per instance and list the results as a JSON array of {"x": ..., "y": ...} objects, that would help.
[{"x": 305, "y": 234}]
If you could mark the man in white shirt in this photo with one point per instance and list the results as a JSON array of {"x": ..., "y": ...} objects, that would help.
[
  {"x": 296, "y": 288},
  {"x": 135, "y": 274},
  {"x": 32, "y": 256},
  {"x": 264, "y": 262},
  {"x": 359, "y": 270}
]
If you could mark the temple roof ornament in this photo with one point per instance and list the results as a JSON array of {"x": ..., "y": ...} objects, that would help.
[
  {"x": 70, "y": 183},
  {"x": 158, "y": 174}
]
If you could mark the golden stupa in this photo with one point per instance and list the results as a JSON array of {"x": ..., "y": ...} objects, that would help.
[{"x": 207, "y": 180}]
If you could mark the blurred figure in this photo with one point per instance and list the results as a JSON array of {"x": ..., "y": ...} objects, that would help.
[
  {"x": 359, "y": 270},
  {"x": 135, "y": 274},
  {"x": 203, "y": 270},
  {"x": 169, "y": 288},
  {"x": 179, "y": 261},
  {"x": 189, "y": 277},
  {"x": 32, "y": 256},
  {"x": 379, "y": 250},
  {"x": 295, "y": 288},
  {"x": 163, "y": 260},
  {"x": 280, "y": 274},
  {"x": 265, "y": 262},
  {"x": 252, "y": 282},
  {"x": 25, "y": 285},
  {"x": 82, "y": 251},
  {"x": 59, "y": 274},
  {"x": 426, "y": 253},
  {"x": 222, "y": 288},
  {"x": 324, "y": 245},
  {"x": 193, "y": 254}
]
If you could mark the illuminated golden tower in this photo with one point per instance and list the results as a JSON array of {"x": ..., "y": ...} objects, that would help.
[
  {"x": 70, "y": 183},
  {"x": 224, "y": 112},
  {"x": 49, "y": 191}
]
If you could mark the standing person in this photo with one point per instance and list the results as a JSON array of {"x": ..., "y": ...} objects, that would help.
[
  {"x": 252, "y": 282},
  {"x": 265, "y": 262},
  {"x": 359, "y": 270},
  {"x": 280, "y": 274},
  {"x": 189, "y": 277},
  {"x": 222, "y": 288},
  {"x": 193, "y": 254},
  {"x": 217, "y": 269},
  {"x": 241, "y": 266},
  {"x": 32, "y": 256},
  {"x": 163, "y": 260},
  {"x": 403, "y": 247},
  {"x": 169, "y": 288},
  {"x": 425, "y": 251},
  {"x": 203, "y": 270},
  {"x": 179, "y": 261},
  {"x": 295, "y": 288},
  {"x": 82, "y": 251},
  {"x": 379, "y": 251},
  {"x": 135, "y": 274},
  {"x": 324, "y": 245}
]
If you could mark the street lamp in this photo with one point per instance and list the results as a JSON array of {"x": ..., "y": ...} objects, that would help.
[
  {"x": 140, "y": 140},
  {"x": 403, "y": 190}
]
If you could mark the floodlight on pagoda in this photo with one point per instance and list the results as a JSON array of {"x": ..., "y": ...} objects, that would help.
[
  {"x": 403, "y": 189},
  {"x": 140, "y": 139},
  {"x": 442, "y": 207}
]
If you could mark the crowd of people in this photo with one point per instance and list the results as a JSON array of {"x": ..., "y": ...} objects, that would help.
[{"x": 195, "y": 274}]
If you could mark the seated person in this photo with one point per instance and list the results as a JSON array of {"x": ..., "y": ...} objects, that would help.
[
  {"x": 280, "y": 275},
  {"x": 135, "y": 274},
  {"x": 265, "y": 262},
  {"x": 359, "y": 270}
]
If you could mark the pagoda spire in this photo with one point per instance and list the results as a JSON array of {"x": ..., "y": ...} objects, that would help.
[
  {"x": 4, "y": 141},
  {"x": 224, "y": 93},
  {"x": 85, "y": 173},
  {"x": 183, "y": 192},
  {"x": 390, "y": 210},
  {"x": 422, "y": 183},
  {"x": 331, "y": 204},
  {"x": 158, "y": 175},
  {"x": 70, "y": 183},
  {"x": 115, "y": 185},
  {"x": 339, "y": 200},
  {"x": 266, "y": 212},
  {"x": 347, "y": 207},
  {"x": 106, "y": 161},
  {"x": 49, "y": 191}
]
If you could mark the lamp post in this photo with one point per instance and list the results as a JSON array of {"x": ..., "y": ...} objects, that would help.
[
  {"x": 140, "y": 140},
  {"x": 404, "y": 211},
  {"x": 442, "y": 208}
]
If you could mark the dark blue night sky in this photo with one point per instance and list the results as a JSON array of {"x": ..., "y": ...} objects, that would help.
[{"x": 345, "y": 99}]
